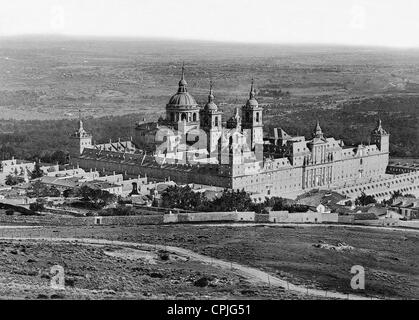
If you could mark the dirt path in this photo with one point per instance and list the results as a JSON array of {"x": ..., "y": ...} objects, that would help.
[{"x": 251, "y": 274}]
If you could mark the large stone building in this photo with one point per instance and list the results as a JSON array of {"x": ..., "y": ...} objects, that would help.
[{"x": 193, "y": 145}]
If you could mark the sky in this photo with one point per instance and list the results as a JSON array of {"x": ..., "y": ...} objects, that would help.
[{"x": 393, "y": 23}]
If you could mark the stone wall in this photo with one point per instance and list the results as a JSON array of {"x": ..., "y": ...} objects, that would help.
[
  {"x": 346, "y": 218},
  {"x": 210, "y": 217},
  {"x": 61, "y": 220},
  {"x": 302, "y": 217}
]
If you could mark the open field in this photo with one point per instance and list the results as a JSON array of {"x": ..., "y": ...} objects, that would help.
[
  {"x": 43, "y": 78},
  {"x": 390, "y": 258}
]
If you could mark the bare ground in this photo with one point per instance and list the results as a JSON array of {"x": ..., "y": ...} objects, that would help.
[{"x": 390, "y": 258}]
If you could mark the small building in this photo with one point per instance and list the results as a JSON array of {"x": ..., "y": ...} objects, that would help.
[{"x": 408, "y": 207}]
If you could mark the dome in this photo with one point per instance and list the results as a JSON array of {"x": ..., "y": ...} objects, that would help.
[
  {"x": 211, "y": 106},
  {"x": 252, "y": 102},
  {"x": 182, "y": 99}
]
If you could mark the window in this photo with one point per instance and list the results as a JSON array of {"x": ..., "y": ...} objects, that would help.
[
  {"x": 194, "y": 117},
  {"x": 216, "y": 121},
  {"x": 257, "y": 116}
]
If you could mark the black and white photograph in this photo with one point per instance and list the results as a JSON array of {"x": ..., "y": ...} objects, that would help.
[{"x": 208, "y": 155}]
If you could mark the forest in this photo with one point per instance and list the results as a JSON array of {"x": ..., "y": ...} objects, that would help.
[{"x": 48, "y": 140}]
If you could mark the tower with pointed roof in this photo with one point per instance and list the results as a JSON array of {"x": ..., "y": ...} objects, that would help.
[
  {"x": 380, "y": 137},
  {"x": 252, "y": 122},
  {"x": 211, "y": 122},
  {"x": 80, "y": 139},
  {"x": 318, "y": 132}
]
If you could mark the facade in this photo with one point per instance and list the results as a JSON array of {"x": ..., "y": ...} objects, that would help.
[{"x": 191, "y": 145}]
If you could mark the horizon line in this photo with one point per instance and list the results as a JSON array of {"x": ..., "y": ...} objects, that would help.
[{"x": 180, "y": 39}]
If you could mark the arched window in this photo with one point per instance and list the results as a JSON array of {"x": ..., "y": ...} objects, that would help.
[
  {"x": 257, "y": 116},
  {"x": 183, "y": 116},
  {"x": 172, "y": 116},
  {"x": 216, "y": 121},
  {"x": 194, "y": 117}
]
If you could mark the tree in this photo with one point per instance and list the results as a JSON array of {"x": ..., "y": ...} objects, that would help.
[
  {"x": 184, "y": 198},
  {"x": 68, "y": 193},
  {"x": 37, "y": 172},
  {"x": 364, "y": 200},
  {"x": 99, "y": 198},
  {"x": 12, "y": 180},
  {"x": 37, "y": 206},
  {"x": 232, "y": 200},
  {"x": 38, "y": 190}
]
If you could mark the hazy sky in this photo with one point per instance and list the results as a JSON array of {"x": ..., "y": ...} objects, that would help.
[{"x": 359, "y": 22}]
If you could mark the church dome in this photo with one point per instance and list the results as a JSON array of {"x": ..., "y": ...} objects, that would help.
[{"x": 182, "y": 98}]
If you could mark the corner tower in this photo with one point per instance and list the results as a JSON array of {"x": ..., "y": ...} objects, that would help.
[
  {"x": 80, "y": 139},
  {"x": 380, "y": 137}
]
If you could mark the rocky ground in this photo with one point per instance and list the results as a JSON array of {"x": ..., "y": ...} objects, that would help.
[
  {"x": 111, "y": 272},
  {"x": 303, "y": 255}
]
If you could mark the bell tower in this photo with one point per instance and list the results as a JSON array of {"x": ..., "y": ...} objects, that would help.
[
  {"x": 211, "y": 123},
  {"x": 252, "y": 121}
]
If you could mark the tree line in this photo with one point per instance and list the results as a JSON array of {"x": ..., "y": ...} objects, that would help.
[{"x": 230, "y": 200}]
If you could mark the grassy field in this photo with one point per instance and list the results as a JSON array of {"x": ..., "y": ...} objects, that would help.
[{"x": 390, "y": 258}]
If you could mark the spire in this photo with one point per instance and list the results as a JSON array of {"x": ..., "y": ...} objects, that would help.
[
  {"x": 318, "y": 133},
  {"x": 251, "y": 102},
  {"x": 182, "y": 82},
  {"x": 211, "y": 94},
  {"x": 252, "y": 90},
  {"x": 237, "y": 114},
  {"x": 379, "y": 128},
  {"x": 80, "y": 132},
  {"x": 80, "y": 122},
  {"x": 183, "y": 71}
]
